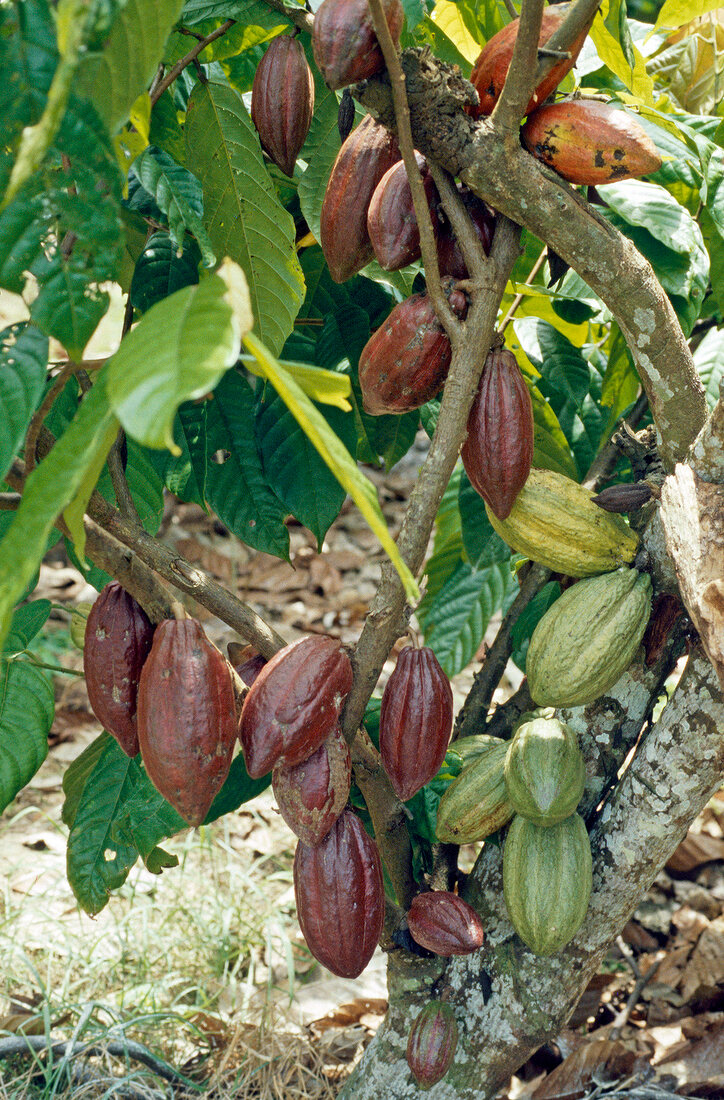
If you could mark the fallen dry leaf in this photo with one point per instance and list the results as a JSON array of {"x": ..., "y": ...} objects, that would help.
[{"x": 695, "y": 849}]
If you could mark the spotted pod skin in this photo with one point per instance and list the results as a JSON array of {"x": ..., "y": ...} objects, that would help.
[
  {"x": 118, "y": 639},
  {"x": 282, "y": 101},
  {"x": 588, "y": 142},
  {"x": 365, "y": 156},
  {"x": 340, "y": 897},
  {"x": 444, "y": 923},
  {"x": 431, "y": 1044},
  {"x": 186, "y": 717},
  {"x": 294, "y": 703},
  {"x": 482, "y": 218},
  {"x": 313, "y": 794},
  {"x": 491, "y": 68},
  {"x": 391, "y": 219},
  {"x": 498, "y": 451},
  {"x": 344, "y": 42},
  {"x": 416, "y": 718}
]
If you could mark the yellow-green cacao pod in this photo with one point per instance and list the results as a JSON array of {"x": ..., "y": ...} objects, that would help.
[
  {"x": 475, "y": 804},
  {"x": 588, "y": 638},
  {"x": 470, "y": 748},
  {"x": 547, "y": 881},
  {"x": 555, "y": 522},
  {"x": 544, "y": 771}
]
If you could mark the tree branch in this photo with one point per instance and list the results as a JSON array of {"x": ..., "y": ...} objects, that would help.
[
  {"x": 300, "y": 17},
  {"x": 579, "y": 18},
  {"x": 521, "y": 77},
  {"x": 183, "y": 63},
  {"x": 470, "y": 244}
]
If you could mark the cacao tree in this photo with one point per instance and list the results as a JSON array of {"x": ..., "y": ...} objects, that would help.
[{"x": 189, "y": 152}]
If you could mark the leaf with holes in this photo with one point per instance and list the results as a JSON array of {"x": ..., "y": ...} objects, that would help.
[{"x": 26, "y": 715}]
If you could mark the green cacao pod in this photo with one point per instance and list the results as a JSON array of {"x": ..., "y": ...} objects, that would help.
[
  {"x": 475, "y": 804},
  {"x": 544, "y": 771},
  {"x": 555, "y": 522},
  {"x": 587, "y": 639},
  {"x": 547, "y": 877}
]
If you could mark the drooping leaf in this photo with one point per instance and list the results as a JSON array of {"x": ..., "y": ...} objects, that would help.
[
  {"x": 238, "y": 788},
  {"x": 23, "y": 363},
  {"x": 178, "y": 194},
  {"x": 76, "y": 774},
  {"x": 26, "y": 715},
  {"x": 76, "y": 507},
  {"x": 254, "y": 13},
  {"x": 619, "y": 52}
]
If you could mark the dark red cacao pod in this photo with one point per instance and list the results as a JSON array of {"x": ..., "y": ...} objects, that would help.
[
  {"x": 623, "y": 498},
  {"x": 282, "y": 101},
  {"x": 416, "y": 718},
  {"x": 449, "y": 254},
  {"x": 431, "y": 1044},
  {"x": 666, "y": 611},
  {"x": 499, "y": 447},
  {"x": 491, "y": 68},
  {"x": 313, "y": 794},
  {"x": 250, "y": 669},
  {"x": 344, "y": 42},
  {"x": 444, "y": 923},
  {"x": 360, "y": 165},
  {"x": 294, "y": 703},
  {"x": 187, "y": 721},
  {"x": 118, "y": 638},
  {"x": 340, "y": 897},
  {"x": 391, "y": 219}
]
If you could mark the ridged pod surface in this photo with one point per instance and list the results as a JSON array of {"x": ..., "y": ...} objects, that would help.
[
  {"x": 313, "y": 794},
  {"x": 547, "y": 878},
  {"x": 118, "y": 638},
  {"x": 476, "y": 803},
  {"x": 555, "y": 522},
  {"x": 361, "y": 163},
  {"x": 344, "y": 42},
  {"x": 416, "y": 718},
  {"x": 294, "y": 703},
  {"x": 491, "y": 68},
  {"x": 186, "y": 717},
  {"x": 499, "y": 447},
  {"x": 587, "y": 639},
  {"x": 431, "y": 1043},
  {"x": 340, "y": 897},
  {"x": 444, "y": 923},
  {"x": 391, "y": 218},
  {"x": 544, "y": 771},
  {"x": 282, "y": 101},
  {"x": 482, "y": 218},
  {"x": 588, "y": 142}
]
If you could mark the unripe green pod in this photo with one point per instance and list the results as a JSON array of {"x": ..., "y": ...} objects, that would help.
[
  {"x": 475, "y": 804},
  {"x": 544, "y": 771}
]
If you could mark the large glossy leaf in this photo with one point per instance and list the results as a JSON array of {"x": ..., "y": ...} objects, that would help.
[
  {"x": 612, "y": 39},
  {"x": 28, "y": 620},
  {"x": 145, "y": 484},
  {"x": 457, "y": 619},
  {"x": 160, "y": 271},
  {"x": 238, "y": 788},
  {"x": 448, "y": 549},
  {"x": 26, "y": 715},
  {"x": 675, "y": 13},
  {"x": 242, "y": 213},
  {"x": 482, "y": 545},
  {"x": 29, "y": 59},
  {"x": 254, "y": 13},
  {"x": 178, "y": 195},
  {"x": 709, "y": 361},
  {"x": 320, "y": 149},
  {"x": 23, "y": 363}
]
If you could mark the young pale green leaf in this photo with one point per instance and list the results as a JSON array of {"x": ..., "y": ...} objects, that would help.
[
  {"x": 334, "y": 454},
  {"x": 324, "y": 386},
  {"x": 462, "y": 32},
  {"x": 28, "y": 620},
  {"x": 456, "y": 621},
  {"x": 618, "y": 51},
  {"x": 26, "y": 715},
  {"x": 75, "y": 510},
  {"x": 178, "y": 194},
  {"x": 675, "y": 13},
  {"x": 244, "y": 218},
  {"x": 23, "y": 364},
  {"x": 177, "y": 352}
]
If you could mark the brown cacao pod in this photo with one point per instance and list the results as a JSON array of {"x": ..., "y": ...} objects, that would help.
[
  {"x": 444, "y": 923},
  {"x": 313, "y": 794},
  {"x": 340, "y": 897},
  {"x": 665, "y": 613},
  {"x": 361, "y": 163},
  {"x": 449, "y": 254},
  {"x": 250, "y": 669},
  {"x": 282, "y": 101},
  {"x": 118, "y": 638},
  {"x": 344, "y": 42},
  {"x": 294, "y": 703},
  {"x": 623, "y": 498},
  {"x": 499, "y": 447},
  {"x": 589, "y": 142},
  {"x": 391, "y": 219},
  {"x": 431, "y": 1044},
  {"x": 491, "y": 68},
  {"x": 186, "y": 717},
  {"x": 415, "y": 721}
]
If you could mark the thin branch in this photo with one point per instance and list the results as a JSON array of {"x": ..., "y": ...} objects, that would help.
[
  {"x": 512, "y": 11},
  {"x": 125, "y": 501},
  {"x": 641, "y": 981},
  {"x": 36, "y": 423},
  {"x": 578, "y": 19},
  {"x": 605, "y": 461},
  {"x": 187, "y": 60},
  {"x": 521, "y": 78},
  {"x": 519, "y": 297},
  {"x": 301, "y": 18}
]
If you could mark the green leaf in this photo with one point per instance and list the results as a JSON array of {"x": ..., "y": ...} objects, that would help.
[
  {"x": 76, "y": 775},
  {"x": 243, "y": 215},
  {"x": 320, "y": 151},
  {"x": 482, "y": 545},
  {"x": 178, "y": 194},
  {"x": 185, "y": 474},
  {"x": 675, "y": 13},
  {"x": 144, "y": 482},
  {"x": 528, "y": 620},
  {"x": 23, "y": 364},
  {"x": 29, "y": 60},
  {"x": 448, "y": 549},
  {"x": 26, "y": 715},
  {"x": 254, "y": 13},
  {"x": 160, "y": 271},
  {"x": 709, "y": 362},
  {"x": 457, "y": 619},
  {"x": 27, "y": 621},
  {"x": 463, "y": 32},
  {"x": 238, "y": 788},
  {"x": 617, "y": 55},
  {"x": 75, "y": 510}
]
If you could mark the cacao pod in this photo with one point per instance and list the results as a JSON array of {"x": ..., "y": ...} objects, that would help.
[
  {"x": 391, "y": 219},
  {"x": 589, "y": 142},
  {"x": 340, "y": 897},
  {"x": 344, "y": 41},
  {"x": 313, "y": 794},
  {"x": 250, "y": 669},
  {"x": 449, "y": 254},
  {"x": 666, "y": 611},
  {"x": 294, "y": 703},
  {"x": 282, "y": 101},
  {"x": 544, "y": 771},
  {"x": 469, "y": 748},
  {"x": 416, "y": 718},
  {"x": 476, "y": 804},
  {"x": 360, "y": 165},
  {"x": 547, "y": 878},
  {"x": 499, "y": 447},
  {"x": 118, "y": 638},
  {"x": 186, "y": 717},
  {"x": 444, "y": 923},
  {"x": 555, "y": 522},
  {"x": 588, "y": 638},
  {"x": 431, "y": 1043},
  {"x": 345, "y": 115},
  {"x": 491, "y": 68},
  {"x": 623, "y": 498}
]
